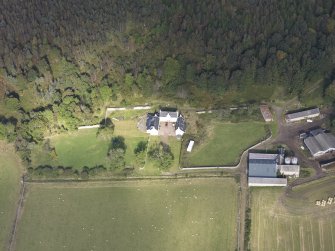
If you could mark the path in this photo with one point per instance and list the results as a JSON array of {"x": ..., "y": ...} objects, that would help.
[{"x": 11, "y": 244}]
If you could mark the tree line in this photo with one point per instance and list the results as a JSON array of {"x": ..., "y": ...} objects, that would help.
[{"x": 62, "y": 62}]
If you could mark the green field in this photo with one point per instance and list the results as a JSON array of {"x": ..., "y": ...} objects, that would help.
[
  {"x": 293, "y": 222},
  {"x": 10, "y": 173},
  {"x": 83, "y": 148},
  {"x": 225, "y": 144},
  {"x": 192, "y": 214}
]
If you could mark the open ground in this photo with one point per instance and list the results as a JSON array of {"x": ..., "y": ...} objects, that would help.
[
  {"x": 10, "y": 176},
  {"x": 293, "y": 221},
  {"x": 83, "y": 148},
  {"x": 225, "y": 143},
  {"x": 188, "y": 214}
]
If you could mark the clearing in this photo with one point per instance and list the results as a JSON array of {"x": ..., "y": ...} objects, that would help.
[
  {"x": 188, "y": 214},
  {"x": 83, "y": 148},
  {"x": 293, "y": 222},
  {"x": 10, "y": 176},
  {"x": 225, "y": 144}
]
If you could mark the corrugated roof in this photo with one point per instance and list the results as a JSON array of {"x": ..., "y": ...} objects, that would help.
[
  {"x": 262, "y": 169},
  {"x": 254, "y": 181},
  {"x": 303, "y": 114},
  {"x": 262, "y": 156},
  {"x": 320, "y": 143}
]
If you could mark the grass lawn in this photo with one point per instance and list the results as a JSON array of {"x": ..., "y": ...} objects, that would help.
[
  {"x": 293, "y": 222},
  {"x": 193, "y": 214},
  {"x": 83, "y": 148},
  {"x": 10, "y": 173},
  {"x": 225, "y": 144}
]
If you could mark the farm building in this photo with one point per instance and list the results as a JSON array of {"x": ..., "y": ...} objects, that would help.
[
  {"x": 166, "y": 123},
  {"x": 262, "y": 165},
  {"x": 263, "y": 169},
  {"x": 289, "y": 170},
  {"x": 267, "y": 182},
  {"x": 320, "y": 143},
  {"x": 306, "y": 114},
  {"x": 266, "y": 113}
]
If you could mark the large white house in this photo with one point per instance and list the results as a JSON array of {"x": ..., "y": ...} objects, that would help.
[{"x": 155, "y": 119}]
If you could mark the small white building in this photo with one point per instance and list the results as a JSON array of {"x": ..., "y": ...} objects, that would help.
[
  {"x": 307, "y": 114},
  {"x": 190, "y": 146}
]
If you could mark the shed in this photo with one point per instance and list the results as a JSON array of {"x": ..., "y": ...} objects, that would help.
[
  {"x": 190, "y": 146},
  {"x": 266, "y": 182},
  {"x": 306, "y": 114},
  {"x": 289, "y": 170}
]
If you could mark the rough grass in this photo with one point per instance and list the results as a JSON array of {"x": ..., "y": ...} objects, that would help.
[
  {"x": 294, "y": 222},
  {"x": 10, "y": 172},
  {"x": 225, "y": 144},
  {"x": 194, "y": 214},
  {"x": 83, "y": 148}
]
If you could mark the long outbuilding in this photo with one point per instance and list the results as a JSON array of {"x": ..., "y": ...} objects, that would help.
[
  {"x": 267, "y": 182},
  {"x": 301, "y": 115}
]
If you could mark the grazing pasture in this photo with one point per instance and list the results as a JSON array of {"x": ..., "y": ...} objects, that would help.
[
  {"x": 225, "y": 143},
  {"x": 293, "y": 222},
  {"x": 190, "y": 214},
  {"x": 10, "y": 173}
]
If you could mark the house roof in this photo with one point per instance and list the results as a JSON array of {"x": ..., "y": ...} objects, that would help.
[
  {"x": 320, "y": 141},
  {"x": 152, "y": 121},
  {"x": 181, "y": 123},
  {"x": 168, "y": 114},
  {"x": 302, "y": 114}
]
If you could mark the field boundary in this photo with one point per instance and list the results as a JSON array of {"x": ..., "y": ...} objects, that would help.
[
  {"x": 138, "y": 178},
  {"x": 11, "y": 243}
]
